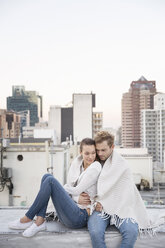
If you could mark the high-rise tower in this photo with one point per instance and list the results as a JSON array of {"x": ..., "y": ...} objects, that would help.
[
  {"x": 140, "y": 96},
  {"x": 153, "y": 128},
  {"x": 25, "y": 100}
]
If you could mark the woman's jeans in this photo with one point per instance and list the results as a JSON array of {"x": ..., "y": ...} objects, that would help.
[
  {"x": 67, "y": 210},
  {"x": 97, "y": 227}
]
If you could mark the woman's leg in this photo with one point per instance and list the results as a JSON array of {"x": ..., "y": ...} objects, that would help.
[
  {"x": 26, "y": 219},
  {"x": 67, "y": 210},
  {"x": 42, "y": 211},
  {"x": 35, "y": 209},
  {"x": 39, "y": 206}
]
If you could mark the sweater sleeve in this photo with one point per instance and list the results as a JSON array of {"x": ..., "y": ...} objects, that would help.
[
  {"x": 74, "y": 170},
  {"x": 89, "y": 178}
]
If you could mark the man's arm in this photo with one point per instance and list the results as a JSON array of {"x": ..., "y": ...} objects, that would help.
[{"x": 98, "y": 207}]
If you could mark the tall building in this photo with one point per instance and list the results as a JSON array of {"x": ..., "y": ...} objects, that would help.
[
  {"x": 54, "y": 120},
  {"x": 83, "y": 116},
  {"x": 74, "y": 122},
  {"x": 148, "y": 131},
  {"x": 24, "y": 119},
  {"x": 9, "y": 124},
  {"x": 153, "y": 128},
  {"x": 66, "y": 123},
  {"x": 97, "y": 122},
  {"x": 61, "y": 120},
  {"x": 140, "y": 96},
  {"x": 25, "y": 100}
]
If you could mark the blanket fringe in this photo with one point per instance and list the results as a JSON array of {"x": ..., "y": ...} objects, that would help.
[
  {"x": 117, "y": 221},
  {"x": 148, "y": 231}
]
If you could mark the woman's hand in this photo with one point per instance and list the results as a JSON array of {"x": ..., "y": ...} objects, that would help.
[{"x": 84, "y": 199}]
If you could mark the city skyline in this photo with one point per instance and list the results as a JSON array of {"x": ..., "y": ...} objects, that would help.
[{"x": 60, "y": 48}]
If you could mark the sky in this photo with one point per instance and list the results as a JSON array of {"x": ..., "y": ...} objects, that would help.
[{"x": 61, "y": 47}]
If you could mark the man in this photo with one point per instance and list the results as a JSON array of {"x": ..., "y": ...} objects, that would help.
[{"x": 118, "y": 200}]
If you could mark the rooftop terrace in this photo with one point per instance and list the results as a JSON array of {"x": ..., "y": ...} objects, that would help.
[{"x": 59, "y": 236}]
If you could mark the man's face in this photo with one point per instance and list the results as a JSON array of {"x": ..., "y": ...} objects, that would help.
[{"x": 103, "y": 150}]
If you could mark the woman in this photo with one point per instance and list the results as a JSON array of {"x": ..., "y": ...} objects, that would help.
[{"x": 83, "y": 175}]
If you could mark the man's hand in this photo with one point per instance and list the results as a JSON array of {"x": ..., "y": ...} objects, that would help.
[
  {"x": 99, "y": 207},
  {"x": 84, "y": 199}
]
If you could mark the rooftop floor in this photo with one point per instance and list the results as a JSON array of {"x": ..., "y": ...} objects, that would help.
[{"x": 59, "y": 236}]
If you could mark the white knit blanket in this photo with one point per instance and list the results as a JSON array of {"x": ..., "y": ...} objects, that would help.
[{"x": 119, "y": 196}]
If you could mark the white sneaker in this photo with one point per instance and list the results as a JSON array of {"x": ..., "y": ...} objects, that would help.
[
  {"x": 33, "y": 229},
  {"x": 18, "y": 225}
]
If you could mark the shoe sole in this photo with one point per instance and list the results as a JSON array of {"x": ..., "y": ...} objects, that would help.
[{"x": 16, "y": 228}]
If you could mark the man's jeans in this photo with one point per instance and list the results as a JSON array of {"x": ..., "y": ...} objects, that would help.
[
  {"x": 67, "y": 210},
  {"x": 97, "y": 227}
]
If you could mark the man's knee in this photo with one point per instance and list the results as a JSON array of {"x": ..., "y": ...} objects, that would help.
[
  {"x": 132, "y": 236},
  {"x": 96, "y": 231},
  {"x": 95, "y": 227},
  {"x": 134, "y": 233},
  {"x": 130, "y": 232},
  {"x": 97, "y": 235}
]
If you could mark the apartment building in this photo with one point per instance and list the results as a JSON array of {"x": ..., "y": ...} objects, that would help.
[{"x": 140, "y": 96}]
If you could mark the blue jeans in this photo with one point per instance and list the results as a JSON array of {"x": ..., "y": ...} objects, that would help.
[
  {"x": 67, "y": 210},
  {"x": 97, "y": 227}
]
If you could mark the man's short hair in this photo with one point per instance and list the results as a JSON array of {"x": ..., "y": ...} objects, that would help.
[{"x": 104, "y": 136}]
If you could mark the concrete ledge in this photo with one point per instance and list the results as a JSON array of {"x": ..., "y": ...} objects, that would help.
[
  {"x": 73, "y": 239},
  {"x": 59, "y": 236}
]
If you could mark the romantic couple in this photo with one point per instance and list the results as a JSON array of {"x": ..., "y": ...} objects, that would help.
[{"x": 100, "y": 191}]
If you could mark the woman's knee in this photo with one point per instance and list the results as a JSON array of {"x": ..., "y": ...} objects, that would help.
[
  {"x": 50, "y": 179},
  {"x": 45, "y": 176}
]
